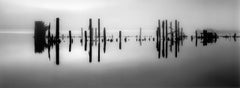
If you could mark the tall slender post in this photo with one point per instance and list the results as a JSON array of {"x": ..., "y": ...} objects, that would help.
[
  {"x": 171, "y": 28},
  {"x": 140, "y": 37},
  {"x": 159, "y": 39},
  {"x": 163, "y": 27},
  {"x": 176, "y": 38},
  {"x": 166, "y": 39},
  {"x": 70, "y": 41},
  {"x": 104, "y": 39},
  {"x": 99, "y": 40},
  {"x": 196, "y": 37},
  {"x": 120, "y": 40},
  {"x": 90, "y": 42},
  {"x": 57, "y": 28},
  {"x": 85, "y": 34}
]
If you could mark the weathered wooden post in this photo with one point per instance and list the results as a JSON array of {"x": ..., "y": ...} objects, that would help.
[
  {"x": 70, "y": 41},
  {"x": 57, "y": 29},
  {"x": 163, "y": 27},
  {"x": 196, "y": 37},
  {"x": 120, "y": 40},
  {"x": 85, "y": 34},
  {"x": 99, "y": 40},
  {"x": 90, "y": 42},
  {"x": 104, "y": 39},
  {"x": 140, "y": 37},
  {"x": 166, "y": 39},
  {"x": 171, "y": 28},
  {"x": 176, "y": 38}
]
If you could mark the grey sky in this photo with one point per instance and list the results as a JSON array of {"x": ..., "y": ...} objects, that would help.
[{"x": 19, "y": 15}]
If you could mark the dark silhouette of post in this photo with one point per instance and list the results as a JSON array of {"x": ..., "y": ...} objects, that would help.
[
  {"x": 176, "y": 39},
  {"x": 85, "y": 37},
  {"x": 49, "y": 45},
  {"x": 120, "y": 40},
  {"x": 178, "y": 36},
  {"x": 70, "y": 41},
  {"x": 163, "y": 43},
  {"x": 171, "y": 29},
  {"x": 163, "y": 31},
  {"x": 196, "y": 37},
  {"x": 140, "y": 37},
  {"x": 99, "y": 40},
  {"x": 90, "y": 41},
  {"x": 104, "y": 39},
  {"x": 159, "y": 39},
  {"x": 57, "y": 28},
  {"x": 166, "y": 39}
]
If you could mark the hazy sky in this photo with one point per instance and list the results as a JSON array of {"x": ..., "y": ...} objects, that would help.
[{"x": 19, "y": 15}]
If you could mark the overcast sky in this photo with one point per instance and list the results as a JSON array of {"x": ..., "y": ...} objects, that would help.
[{"x": 19, "y": 15}]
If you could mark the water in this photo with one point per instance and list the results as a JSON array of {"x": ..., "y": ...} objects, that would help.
[{"x": 136, "y": 66}]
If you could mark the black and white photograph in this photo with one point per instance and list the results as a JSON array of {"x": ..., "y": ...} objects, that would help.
[{"x": 119, "y": 43}]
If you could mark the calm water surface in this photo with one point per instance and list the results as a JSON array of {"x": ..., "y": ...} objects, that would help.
[{"x": 134, "y": 66}]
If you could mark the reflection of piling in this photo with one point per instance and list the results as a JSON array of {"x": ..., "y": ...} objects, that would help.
[
  {"x": 163, "y": 31},
  {"x": 99, "y": 39},
  {"x": 57, "y": 54},
  {"x": 90, "y": 41},
  {"x": 104, "y": 39},
  {"x": 120, "y": 40}
]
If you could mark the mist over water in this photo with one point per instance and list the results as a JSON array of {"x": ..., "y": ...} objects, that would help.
[
  {"x": 133, "y": 65},
  {"x": 136, "y": 44}
]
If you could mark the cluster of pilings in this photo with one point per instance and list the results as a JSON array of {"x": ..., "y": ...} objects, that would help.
[
  {"x": 163, "y": 37},
  {"x": 205, "y": 37},
  {"x": 42, "y": 41}
]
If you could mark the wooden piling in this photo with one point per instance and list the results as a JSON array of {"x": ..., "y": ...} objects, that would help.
[
  {"x": 57, "y": 28},
  {"x": 99, "y": 40},
  {"x": 120, "y": 40},
  {"x": 104, "y": 39}
]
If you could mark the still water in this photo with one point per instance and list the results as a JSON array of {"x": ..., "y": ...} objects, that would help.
[{"x": 134, "y": 66}]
